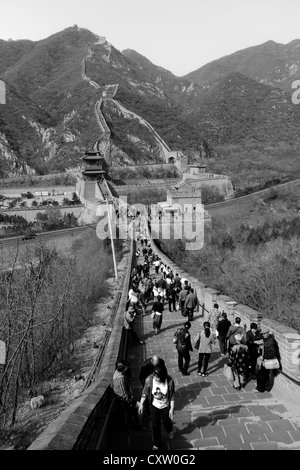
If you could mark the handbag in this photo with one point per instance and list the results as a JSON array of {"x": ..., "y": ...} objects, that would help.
[
  {"x": 197, "y": 344},
  {"x": 228, "y": 372},
  {"x": 185, "y": 312},
  {"x": 271, "y": 363},
  {"x": 152, "y": 314}
]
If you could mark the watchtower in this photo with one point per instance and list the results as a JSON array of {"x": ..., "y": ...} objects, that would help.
[{"x": 95, "y": 165}]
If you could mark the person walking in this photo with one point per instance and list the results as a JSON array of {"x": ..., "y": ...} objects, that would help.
[
  {"x": 157, "y": 265},
  {"x": 181, "y": 298},
  {"x": 234, "y": 330},
  {"x": 223, "y": 326},
  {"x": 254, "y": 340},
  {"x": 157, "y": 314},
  {"x": 177, "y": 285},
  {"x": 269, "y": 350},
  {"x": 171, "y": 296},
  {"x": 160, "y": 389},
  {"x": 161, "y": 287},
  {"x": 190, "y": 303},
  {"x": 238, "y": 361},
  {"x": 206, "y": 340},
  {"x": 213, "y": 318},
  {"x": 182, "y": 339},
  {"x": 147, "y": 369}
]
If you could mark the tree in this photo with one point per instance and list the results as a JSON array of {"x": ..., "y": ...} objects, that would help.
[
  {"x": 44, "y": 309},
  {"x": 75, "y": 198},
  {"x": 41, "y": 216},
  {"x": 53, "y": 217}
]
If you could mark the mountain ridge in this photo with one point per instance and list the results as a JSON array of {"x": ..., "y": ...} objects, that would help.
[{"x": 45, "y": 81}]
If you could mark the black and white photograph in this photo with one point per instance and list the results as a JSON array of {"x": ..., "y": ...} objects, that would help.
[{"x": 149, "y": 229}]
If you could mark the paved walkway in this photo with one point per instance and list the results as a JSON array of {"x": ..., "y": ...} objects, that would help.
[{"x": 209, "y": 412}]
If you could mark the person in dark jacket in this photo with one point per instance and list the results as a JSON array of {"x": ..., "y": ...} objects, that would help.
[
  {"x": 160, "y": 390},
  {"x": 254, "y": 339},
  {"x": 223, "y": 326},
  {"x": 190, "y": 303},
  {"x": 157, "y": 311},
  {"x": 234, "y": 330},
  {"x": 171, "y": 296},
  {"x": 270, "y": 350},
  {"x": 182, "y": 296},
  {"x": 182, "y": 339}
]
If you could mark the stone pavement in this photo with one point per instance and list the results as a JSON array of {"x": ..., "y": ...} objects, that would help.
[{"x": 209, "y": 413}]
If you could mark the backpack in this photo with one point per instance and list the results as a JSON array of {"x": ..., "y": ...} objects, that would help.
[{"x": 239, "y": 330}]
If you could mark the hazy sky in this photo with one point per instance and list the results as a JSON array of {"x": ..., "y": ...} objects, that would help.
[{"x": 179, "y": 35}]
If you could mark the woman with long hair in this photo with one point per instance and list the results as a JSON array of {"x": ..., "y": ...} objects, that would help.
[
  {"x": 159, "y": 388},
  {"x": 206, "y": 340}
]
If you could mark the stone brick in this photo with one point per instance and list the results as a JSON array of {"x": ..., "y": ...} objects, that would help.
[
  {"x": 281, "y": 425},
  {"x": 231, "y": 397},
  {"x": 258, "y": 427},
  {"x": 247, "y": 397},
  {"x": 212, "y": 431},
  {"x": 191, "y": 394},
  {"x": 278, "y": 408},
  {"x": 268, "y": 417},
  {"x": 254, "y": 437},
  {"x": 264, "y": 446},
  {"x": 234, "y": 439},
  {"x": 238, "y": 446},
  {"x": 219, "y": 391},
  {"x": 189, "y": 433},
  {"x": 205, "y": 442},
  {"x": 241, "y": 412},
  {"x": 295, "y": 435},
  {"x": 234, "y": 429},
  {"x": 257, "y": 410},
  {"x": 201, "y": 421},
  {"x": 202, "y": 401},
  {"x": 279, "y": 436},
  {"x": 215, "y": 400}
]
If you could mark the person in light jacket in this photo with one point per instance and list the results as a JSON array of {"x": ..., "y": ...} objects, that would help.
[
  {"x": 207, "y": 339},
  {"x": 269, "y": 350}
]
